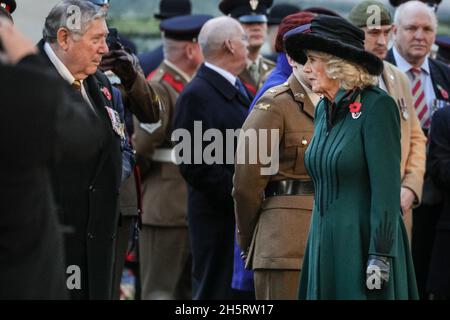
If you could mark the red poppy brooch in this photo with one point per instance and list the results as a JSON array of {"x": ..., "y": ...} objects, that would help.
[
  {"x": 355, "y": 109},
  {"x": 106, "y": 93},
  {"x": 444, "y": 92}
]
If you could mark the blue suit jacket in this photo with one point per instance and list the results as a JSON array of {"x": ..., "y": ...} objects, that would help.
[{"x": 215, "y": 102}]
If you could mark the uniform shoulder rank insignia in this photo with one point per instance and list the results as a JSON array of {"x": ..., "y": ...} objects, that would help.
[{"x": 263, "y": 106}]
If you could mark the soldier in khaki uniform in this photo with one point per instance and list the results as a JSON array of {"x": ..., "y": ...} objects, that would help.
[
  {"x": 273, "y": 211},
  {"x": 395, "y": 82},
  {"x": 252, "y": 16},
  {"x": 165, "y": 251}
]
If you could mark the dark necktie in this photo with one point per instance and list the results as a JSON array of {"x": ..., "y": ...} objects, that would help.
[{"x": 241, "y": 88}]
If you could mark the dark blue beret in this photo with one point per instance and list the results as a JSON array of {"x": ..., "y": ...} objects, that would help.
[{"x": 184, "y": 28}]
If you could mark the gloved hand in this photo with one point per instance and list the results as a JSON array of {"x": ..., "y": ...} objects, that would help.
[
  {"x": 377, "y": 272},
  {"x": 124, "y": 64}
]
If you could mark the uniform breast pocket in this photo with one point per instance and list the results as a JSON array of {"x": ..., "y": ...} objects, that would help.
[{"x": 296, "y": 144}]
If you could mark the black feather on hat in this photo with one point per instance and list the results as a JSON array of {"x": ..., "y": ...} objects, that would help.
[
  {"x": 8, "y": 5},
  {"x": 333, "y": 35}
]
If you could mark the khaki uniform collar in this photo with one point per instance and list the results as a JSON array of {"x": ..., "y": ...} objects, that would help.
[{"x": 301, "y": 95}]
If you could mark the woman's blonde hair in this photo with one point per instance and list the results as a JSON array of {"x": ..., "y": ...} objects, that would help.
[{"x": 349, "y": 75}]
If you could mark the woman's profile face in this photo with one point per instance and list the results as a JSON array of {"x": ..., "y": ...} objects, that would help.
[{"x": 314, "y": 70}]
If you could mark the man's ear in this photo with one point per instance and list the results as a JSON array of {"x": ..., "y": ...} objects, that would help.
[
  {"x": 394, "y": 29},
  {"x": 63, "y": 37},
  {"x": 228, "y": 45},
  {"x": 290, "y": 61},
  {"x": 190, "y": 51}
]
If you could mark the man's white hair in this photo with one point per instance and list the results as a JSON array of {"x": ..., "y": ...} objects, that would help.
[
  {"x": 215, "y": 32},
  {"x": 417, "y": 5}
]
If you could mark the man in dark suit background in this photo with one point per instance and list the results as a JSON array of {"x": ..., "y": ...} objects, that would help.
[
  {"x": 415, "y": 26},
  {"x": 31, "y": 254},
  {"x": 213, "y": 99},
  {"x": 91, "y": 141}
]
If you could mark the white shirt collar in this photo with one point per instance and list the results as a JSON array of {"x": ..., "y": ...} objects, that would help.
[
  {"x": 224, "y": 73},
  {"x": 184, "y": 75},
  {"x": 59, "y": 65},
  {"x": 405, "y": 66}
]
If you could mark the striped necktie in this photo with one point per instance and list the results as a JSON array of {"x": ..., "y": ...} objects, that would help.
[{"x": 420, "y": 103}]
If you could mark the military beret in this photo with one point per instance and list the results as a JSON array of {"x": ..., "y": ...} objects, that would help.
[
  {"x": 290, "y": 22},
  {"x": 173, "y": 8},
  {"x": 443, "y": 53},
  {"x": 360, "y": 16},
  {"x": 280, "y": 11},
  {"x": 246, "y": 11},
  {"x": 8, "y": 5},
  {"x": 183, "y": 28}
]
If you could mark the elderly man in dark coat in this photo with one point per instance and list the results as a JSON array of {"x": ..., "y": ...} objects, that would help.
[{"x": 91, "y": 141}]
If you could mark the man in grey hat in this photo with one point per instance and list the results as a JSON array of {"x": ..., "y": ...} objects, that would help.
[{"x": 373, "y": 17}]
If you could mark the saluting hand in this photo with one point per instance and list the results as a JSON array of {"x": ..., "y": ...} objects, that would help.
[{"x": 125, "y": 65}]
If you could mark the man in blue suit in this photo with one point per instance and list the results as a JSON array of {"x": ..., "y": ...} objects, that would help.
[
  {"x": 217, "y": 99},
  {"x": 415, "y": 26}
]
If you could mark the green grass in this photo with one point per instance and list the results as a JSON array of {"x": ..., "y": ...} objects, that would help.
[{"x": 136, "y": 26}]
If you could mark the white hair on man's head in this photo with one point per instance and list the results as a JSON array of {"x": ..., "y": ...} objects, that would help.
[
  {"x": 215, "y": 32},
  {"x": 403, "y": 9},
  {"x": 64, "y": 13}
]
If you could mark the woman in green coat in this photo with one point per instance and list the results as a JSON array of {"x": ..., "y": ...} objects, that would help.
[{"x": 357, "y": 246}]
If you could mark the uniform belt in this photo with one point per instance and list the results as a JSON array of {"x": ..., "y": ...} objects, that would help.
[
  {"x": 164, "y": 155},
  {"x": 289, "y": 188}
]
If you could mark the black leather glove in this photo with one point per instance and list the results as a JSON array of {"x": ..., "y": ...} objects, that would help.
[
  {"x": 124, "y": 64},
  {"x": 377, "y": 273}
]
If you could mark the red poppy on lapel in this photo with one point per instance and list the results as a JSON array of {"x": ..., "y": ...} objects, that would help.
[
  {"x": 106, "y": 93},
  {"x": 355, "y": 107},
  {"x": 444, "y": 92}
]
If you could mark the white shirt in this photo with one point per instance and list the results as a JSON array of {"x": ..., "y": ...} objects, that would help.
[
  {"x": 224, "y": 73},
  {"x": 64, "y": 72},
  {"x": 427, "y": 83}
]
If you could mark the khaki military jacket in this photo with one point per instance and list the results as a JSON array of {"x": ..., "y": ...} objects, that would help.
[
  {"x": 275, "y": 228},
  {"x": 164, "y": 192},
  {"x": 413, "y": 141},
  {"x": 265, "y": 67}
]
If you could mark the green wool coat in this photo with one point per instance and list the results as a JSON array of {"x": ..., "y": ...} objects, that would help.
[{"x": 354, "y": 160}]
